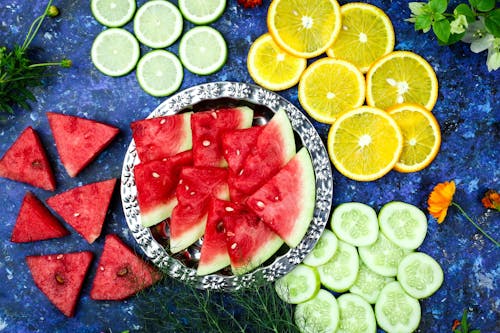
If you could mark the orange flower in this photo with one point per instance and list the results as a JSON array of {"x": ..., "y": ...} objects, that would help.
[
  {"x": 491, "y": 200},
  {"x": 440, "y": 199}
]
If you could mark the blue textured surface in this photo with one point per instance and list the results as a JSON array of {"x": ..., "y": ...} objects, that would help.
[{"x": 467, "y": 110}]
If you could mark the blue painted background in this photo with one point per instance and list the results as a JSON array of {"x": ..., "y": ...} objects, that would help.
[{"x": 467, "y": 110}]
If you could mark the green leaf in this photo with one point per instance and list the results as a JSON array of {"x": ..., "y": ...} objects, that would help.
[
  {"x": 442, "y": 30},
  {"x": 454, "y": 38},
  {"x": 438, "y": 6},
  {"x": 465, "y": 10},
  {"x": 475, "y": 331},
  {"x": 485, "y": 5},
  {"x": 463, "y": 323},
  {"x": 423, "y": 22},
  {"x": 492, "y": 22}
]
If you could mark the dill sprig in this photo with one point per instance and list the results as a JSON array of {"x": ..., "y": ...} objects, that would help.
[
  {"x": 18, "y": 73},
  {"x": 172, "y": 306}
]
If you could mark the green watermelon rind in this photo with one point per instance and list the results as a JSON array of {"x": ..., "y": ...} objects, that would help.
[
  {"x": 216, "y": 263},
  {"x": 285, "y": 129},
  {"x": 158, "y": 214},
  {"x": 247, "y": 119},
  {"x": 266, "y": 251},
  {"x": 189, "y": 237}
]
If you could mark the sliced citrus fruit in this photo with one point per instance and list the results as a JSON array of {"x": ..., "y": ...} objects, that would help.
[
  {"x": 272, "y": 67},
  {"x": 324, "y": 95},
  {"x": 366, "y": 35},
  {"x": 202, "y": 11},
  {"x": 304, "y": 28},
  {"x": 401, "y": 77},
  {"x": 113, "y": 13},
  {"x": 159, "y": 73},
  {"x": 158, "y": 24},
  {"x": 421, "y": 136},
  {"x": 365, "y": 143}
]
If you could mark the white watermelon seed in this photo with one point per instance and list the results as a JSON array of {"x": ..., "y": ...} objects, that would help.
[
  {"x": 163, "y": 121},
  {"x": 233, "y": 246},
  {"x": 205, "y": 143},
  {"x": 230, "y": 234},
  {"x": 192, "y": 193},
  {"x": 260, "y": 204},
  {"x": 155, "y": 175},
  {"x": 76, "y": 214},
  {"x": 60, "y": 256},
  {"x": 238, "y": 152},
  {"x": 229, "y": 209},
  {"x": 214, "y": 114}
]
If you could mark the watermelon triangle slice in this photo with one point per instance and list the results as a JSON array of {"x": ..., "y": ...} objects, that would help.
[
  {"x": 78, "y": 140},
  {"x": 156, "y": 138},
  {"x": 85, "y": 207},
  {"x": 250, "y": 242},
  {"x": 35, "y": 222},
  {"x": 208, "y": 127},
  {"x": 26, "y": 161},
  {"x": 120, "y": 272},
  {"x": 60, "y": 277},
  {"x": 286, "y": 202},
  {"x": 156, "y": 182}
]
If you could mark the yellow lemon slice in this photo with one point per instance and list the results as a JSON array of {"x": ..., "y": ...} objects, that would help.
[
  {"x": 401, "y": 77},
  {"x": 304, "y": 28},
  {"x": 366, "y": 35},
  {"x": 364, "y": 144},
  {"x": 330, "y": 87},
  {"x": 271, "y": 67},
  {"x": 421, "y": 136}
]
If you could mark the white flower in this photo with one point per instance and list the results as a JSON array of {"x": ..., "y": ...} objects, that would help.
[
  {"x": 458, "y": 25},
  {"x": 493, "y": 61},
  {"x": 480, "y": 39}
]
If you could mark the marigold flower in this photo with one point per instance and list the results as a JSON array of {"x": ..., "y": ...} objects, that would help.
[
  {"x": 456, "y": 323},
  {"x": 440, "y": 199},
  {"x": 491, "y": 200}
]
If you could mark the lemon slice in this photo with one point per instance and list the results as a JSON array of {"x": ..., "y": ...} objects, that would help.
[
  {"x": 159, "y": 73},
  {"x": 364, "y": 144},
  {"x": 202, "y": 11},
  {"x": 421, "y": 136},
  {"x": 324, "y": 95},
  {"x": 401, "y": 77},
  {"x": 158, "y": 24},
  {"x": 113, "y": 13},
  {"x": 366, "y": 35},
  {"x": 271, "y": 67},
  {"x": 304, "y": 28}
]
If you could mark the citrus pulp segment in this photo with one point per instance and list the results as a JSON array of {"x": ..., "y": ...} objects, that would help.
[
  {"x": 158, "y": 24},
  {"x": 113, "y": 13},
  {"x": 159, "y": 73},
  {"x": 365, "y": 143},
  {"x": 401, "y": 77},
  {"x": 330, "y": 87},
  {"x": 272, "y": 67},
  {"x": 366, "y": 35},
  {"x": 421, "y": 136},
  {"x": 202, "y": 11},
  {"x": 115, "y": 52},
  {"x": 304, "y": 28},
  {"x": 203, "y": 50}
]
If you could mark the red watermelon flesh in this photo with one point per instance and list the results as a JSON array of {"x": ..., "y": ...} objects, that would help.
[
  {"x": 250, "y": 242},
  {"x": 214, "y": 255},
  {"x": 208, "y": 127},
  {"x": 193, "y": 192},
  {"x": 26, "y": 161},
  {"x": 237, "y": 144},
  {"x": 286, "y": 202},
  {"x": 85, "y": 207},
  {"x": 156, "y": 182},
  {"x": 274, "y": 147},
  {"x": 78, "y": 140},
  {"x": 60, "y": 277},
  {"x": 35, "y": 222},
  {"x": 120, "y": 272},
  {"x": 156, "y": 138}
]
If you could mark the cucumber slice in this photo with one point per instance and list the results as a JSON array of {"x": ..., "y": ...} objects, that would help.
[
  {"x": 319, "y": 314},
  {"x": 299, "y": 285},
  {"x": 396, "y": 311},
  {"x": 202, "y": 11},
  {"x": 403, "y": 224},
  {"x": 113, "y": 13},
  {"x": 356, "y": 315},
  {"x": 203, "y": 50},
  {"x": 355, "y": 223},
  {"x": 340, "y": 272},
  {"x": 420, "y": 275},
  {"x": 368, "y": 284},
  {"x": 159, "y": 73},
  {"x": 382, "y": 257},
  {"x": 323, "y": 250}
]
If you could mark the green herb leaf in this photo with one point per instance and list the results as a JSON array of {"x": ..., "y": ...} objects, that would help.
[
  {"x": 465, "y": 10},
  {"x": 463, "y": 323},
  {"x": 442, "y": 30},
  {"x": 492, "y": 22},
  {"x": 438, "y": 6},
  {"x": 485, "y": 5},
  {"x": 423, "y": 22}
]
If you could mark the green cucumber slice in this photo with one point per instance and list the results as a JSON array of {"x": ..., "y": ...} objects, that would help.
[
  {"x": 323, "y": 250},
  {"x": 420, "y": 275},
  {"x": 113, "y": 13},
  {"x": 340, "y": 272},
  {"x": 356, "y": 315},
  {"x": 403, "y": 224},
  {"x": 396, "y": 311},
  {"x": 382, "y": 257},
  {"x": 299, "y": 285},
  {"x": 319, "y": 314},
  {"x": 355, "y": 223},
  {"x": 202, "y": 11},
  {"x": 368, "y": 284}
]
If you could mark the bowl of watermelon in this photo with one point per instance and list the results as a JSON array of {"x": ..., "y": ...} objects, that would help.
[{"x": 226, "y": 185}]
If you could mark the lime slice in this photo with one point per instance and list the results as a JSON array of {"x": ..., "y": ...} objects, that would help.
[
  {"x": 115, "y": 52},
  {"x": 203, "y": 50},
  {"x": 113, "y": 13},
  {"x": 202, "y": 11},
  {"x": 159, "y": 73},
  {"x": 158, "y": 24}
]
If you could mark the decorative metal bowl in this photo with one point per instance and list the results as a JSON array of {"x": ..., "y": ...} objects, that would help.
[{"x": 154, "y": 242}]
